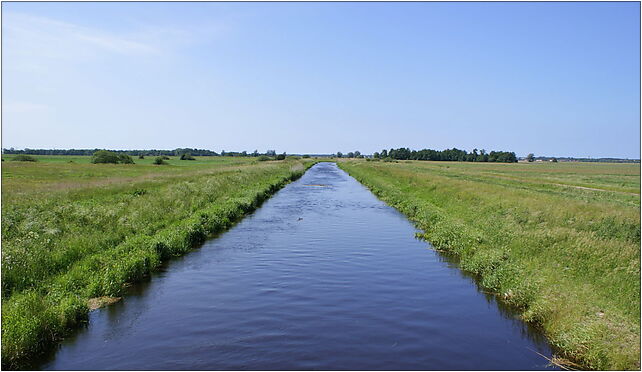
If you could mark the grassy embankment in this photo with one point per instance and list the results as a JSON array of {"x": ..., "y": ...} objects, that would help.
[
  {"x": 73, "y": 231},
  {"x": 540, "y": 237}
]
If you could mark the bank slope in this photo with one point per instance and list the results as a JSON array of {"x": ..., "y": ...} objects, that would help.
[
  {"x": 63, "y": 248},
  {"x": 568, "y": 258}
]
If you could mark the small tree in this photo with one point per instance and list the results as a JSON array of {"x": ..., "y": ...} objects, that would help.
[
  {"x": 159, "y": 161},
  {"x": 530, "y": 157},
  {"x": 187, "y": 156},
  {"x": 104, "y": 157},
  {"x": 125, "y": 159},
  {"x": 280, "y": 156},
  {"x": 110, "y": 157},
  {"x": 339, "y": 154}
]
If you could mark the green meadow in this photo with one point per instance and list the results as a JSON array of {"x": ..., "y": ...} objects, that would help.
[
  {"x": 76, "y": 233},
  {"x": 558, "y": 241}
]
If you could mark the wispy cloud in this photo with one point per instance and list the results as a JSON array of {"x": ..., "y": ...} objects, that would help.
[
  {"x": 22, "y": 107},
  {"x": 40, "y": 37},
  {"x": 35, "y": 43}
]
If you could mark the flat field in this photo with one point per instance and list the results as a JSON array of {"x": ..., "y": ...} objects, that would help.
[
  {"x": 74, "y": 231},
  {"x": 560, "y": 241}
]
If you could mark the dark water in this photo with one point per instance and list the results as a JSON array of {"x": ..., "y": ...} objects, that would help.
[{"x": 320, "y": 277}]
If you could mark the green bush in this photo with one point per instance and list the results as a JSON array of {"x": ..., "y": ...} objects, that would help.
[
  {"x": 24, "y": 158},
  {"x": 280, "y": 157},
  {"x": 159, "y": 161},
  {"x": 110, "y": 157},
  {"x": 125, "y": 159},
  {"x": 141, "y": 156},
  {"x": 306, "y": 156},
  {"x": 139, "y": 192},
  {"x": 263, "y": 158},
  {"x": 104, "y": 156},
  {"x": 187, "y": 156}
]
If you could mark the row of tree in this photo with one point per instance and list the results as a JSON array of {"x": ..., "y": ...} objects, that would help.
[
  {"x": 175, "y": 152},
  {"x": 154, "y": 152},
  {"x": 453, "y": 154},
  {"x": 351, "y": 154}
]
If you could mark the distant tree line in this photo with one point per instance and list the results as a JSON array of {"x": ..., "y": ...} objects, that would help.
[
  {"x": 89, "y": 152},
  {"x": 453, "y": 154},
  {"x": 590, "y": 160},
  {"x": 351, "y": 154},
  {"x": 175, "y": 152}
]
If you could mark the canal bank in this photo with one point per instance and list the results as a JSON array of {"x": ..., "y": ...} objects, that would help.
[
  {"x": 568, "y": 259},
  {"x": 131, "y": 230}
]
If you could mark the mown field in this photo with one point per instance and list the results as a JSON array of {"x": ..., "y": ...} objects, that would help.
[
  {"x": 73, "y": 231},
  {"x": 559, "y": 241}
]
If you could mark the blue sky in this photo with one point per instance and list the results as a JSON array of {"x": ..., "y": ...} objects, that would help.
[{"x": 549, "y": 78}]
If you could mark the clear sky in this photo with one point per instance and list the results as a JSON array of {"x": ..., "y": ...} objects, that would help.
[{"x": 549, "y": 78}]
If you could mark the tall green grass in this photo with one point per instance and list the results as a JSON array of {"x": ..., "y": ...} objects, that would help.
[
  {"x": 567, "y": 257},
  {"x": 65, "y": 245}
]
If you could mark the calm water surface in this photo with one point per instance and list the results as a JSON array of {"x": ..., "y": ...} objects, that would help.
[{"x": 322, "y": 276}]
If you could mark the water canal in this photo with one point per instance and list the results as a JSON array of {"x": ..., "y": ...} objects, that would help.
[{"x": 322, "y": 276}]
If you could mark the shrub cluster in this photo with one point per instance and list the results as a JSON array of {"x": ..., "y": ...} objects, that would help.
[
  {"x": 187, "y": 156},
  {"x": 24, "y": 158},
  {"x": 109, "y": 157}
]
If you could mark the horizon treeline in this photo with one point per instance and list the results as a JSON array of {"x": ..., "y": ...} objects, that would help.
[
  {"x": 453, "y": 154},
  {"x": 153, "y": 152}
]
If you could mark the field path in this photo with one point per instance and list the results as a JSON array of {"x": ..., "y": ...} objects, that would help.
[{"x": 594, "y": 189}]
